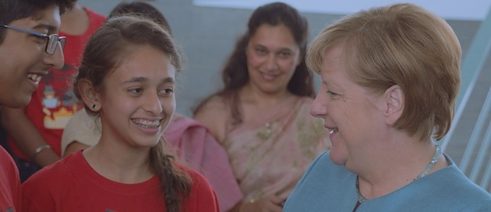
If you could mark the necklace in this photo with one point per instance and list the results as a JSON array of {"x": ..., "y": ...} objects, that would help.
[
  {"x": 425, "y": 172},
  {"x": 266, "y": 131}
]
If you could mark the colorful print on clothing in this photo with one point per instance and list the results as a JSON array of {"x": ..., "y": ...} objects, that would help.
[{"x": 59, "y": 103}]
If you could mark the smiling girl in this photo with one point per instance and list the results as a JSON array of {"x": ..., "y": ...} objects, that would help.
[{"x": 127, "y": 77}]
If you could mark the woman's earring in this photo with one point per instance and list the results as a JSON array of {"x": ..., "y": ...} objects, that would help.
[{"x": 94, "y": 107}]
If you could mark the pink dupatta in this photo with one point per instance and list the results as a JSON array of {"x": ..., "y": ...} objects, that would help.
[{"x": 197, "y": 148}]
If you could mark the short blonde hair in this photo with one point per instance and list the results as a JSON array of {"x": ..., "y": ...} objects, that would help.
[{"x": 402, "y": 45}]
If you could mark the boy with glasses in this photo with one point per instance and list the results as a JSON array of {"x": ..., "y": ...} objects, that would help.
[
  {"x": 29, "y": 47},
  {"x": 53, "y": 41},
  {"x": 34, "y": 132}
]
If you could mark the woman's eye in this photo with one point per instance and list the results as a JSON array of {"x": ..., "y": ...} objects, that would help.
[
  {"x": 135, "y": 91},
  {"x": 166, "y": 92},
  {"x": 285, "y": 54},
  {"x": 261, "y": 51},
  {"x": 332, "y": 94}
]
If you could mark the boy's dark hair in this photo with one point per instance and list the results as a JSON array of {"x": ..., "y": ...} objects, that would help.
[
  {"x": 141, "y": 9},
  {"x": 11, "y": 10}
]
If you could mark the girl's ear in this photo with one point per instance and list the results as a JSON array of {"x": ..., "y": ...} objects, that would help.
[
  {"x": 394, "y": 104},
  {"x": 89, "y": 94}
]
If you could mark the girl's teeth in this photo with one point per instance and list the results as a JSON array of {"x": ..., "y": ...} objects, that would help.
[{"x": 147, "y": 123}]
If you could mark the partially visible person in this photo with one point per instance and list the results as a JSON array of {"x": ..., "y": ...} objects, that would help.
[
  {"x": 29, "y": 47},
  {"x": 35, "y": 131},
  {"x": 141, "y": 9},
  {"x": 390, "y": 76},
  {"x": 191, "y": 142},
  {"x": 261, "y": 116},
  {"x": 127, "y": 78},
  {"x": 10, "y": 199}
]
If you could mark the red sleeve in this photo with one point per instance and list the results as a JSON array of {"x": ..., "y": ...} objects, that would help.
[
  {"x": 18, "y": 193},
  {"x": 10, "y": 192}
]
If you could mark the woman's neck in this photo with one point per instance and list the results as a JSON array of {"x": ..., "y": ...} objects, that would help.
[
  {"x": 400, "y": 163},
  {"x": 249, "y": 94}
]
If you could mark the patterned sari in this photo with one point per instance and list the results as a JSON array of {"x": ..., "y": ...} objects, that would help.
[{"x": 270, "y": 155}]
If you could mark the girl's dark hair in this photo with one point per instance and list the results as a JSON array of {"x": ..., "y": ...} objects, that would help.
[
  {"x": 235, "y": 74},
  {"x": 104, "y": 53}
]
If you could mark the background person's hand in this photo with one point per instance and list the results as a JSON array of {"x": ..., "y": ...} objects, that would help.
[{"x": 271, "y": 203}]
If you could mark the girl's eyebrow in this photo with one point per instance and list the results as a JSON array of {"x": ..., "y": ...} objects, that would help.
[
  {"x": 143, "y": 79},
  {"x": 135, "y": 79},
  {"x": 169, "y": 80}
]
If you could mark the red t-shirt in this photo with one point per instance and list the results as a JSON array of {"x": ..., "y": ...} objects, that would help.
[
  {"x": 72, "y": 185},
  {"x": 9, "y": 183},
  {"x": 54, "y": 102}
]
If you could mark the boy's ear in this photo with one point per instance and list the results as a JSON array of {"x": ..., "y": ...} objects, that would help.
[
  {"x": 394, "y": 104},
  {"x": 89, "y": 95}
]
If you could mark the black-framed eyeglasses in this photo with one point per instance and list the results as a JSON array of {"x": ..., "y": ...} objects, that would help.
[{"x": 52, "y": 39}]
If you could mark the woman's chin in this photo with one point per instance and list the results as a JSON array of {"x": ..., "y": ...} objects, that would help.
[{"x": 337, "y": 159}]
